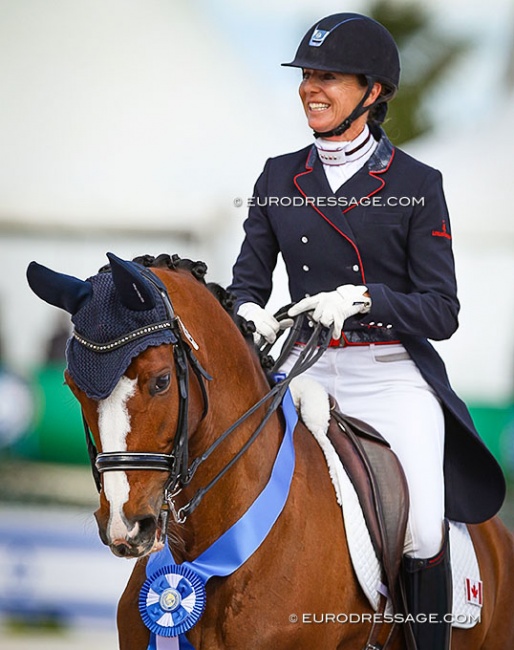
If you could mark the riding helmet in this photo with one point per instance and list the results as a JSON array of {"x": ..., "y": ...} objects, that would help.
[{"x": 353, "y": 44}]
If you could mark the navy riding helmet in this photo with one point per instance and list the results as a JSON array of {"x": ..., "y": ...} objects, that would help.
[{"x": 352, "y": 44}]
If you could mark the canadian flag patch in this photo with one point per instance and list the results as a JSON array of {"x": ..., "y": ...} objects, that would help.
[{"x": 474, "y": 592}]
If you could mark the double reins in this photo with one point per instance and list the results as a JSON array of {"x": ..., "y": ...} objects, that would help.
[
  {"x": 308, "y": 356},
  {"x": 176, "y": 463}
]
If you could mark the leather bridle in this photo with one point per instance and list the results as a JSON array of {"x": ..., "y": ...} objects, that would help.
[{"x": 176, "y": 463}]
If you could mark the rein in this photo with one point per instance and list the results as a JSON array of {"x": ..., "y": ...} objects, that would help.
[
  {"x": 176, "y": 463},
  {"x": 309, "y": 355}
]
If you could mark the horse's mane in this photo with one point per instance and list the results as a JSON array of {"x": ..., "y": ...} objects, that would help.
[{"x": 198, "y": 270}]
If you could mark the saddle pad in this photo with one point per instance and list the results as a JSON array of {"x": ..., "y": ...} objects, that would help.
[{"x": 467, "y": 586}]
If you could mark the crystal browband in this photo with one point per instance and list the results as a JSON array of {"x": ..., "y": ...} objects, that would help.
[{"x": 123, "y": 340}]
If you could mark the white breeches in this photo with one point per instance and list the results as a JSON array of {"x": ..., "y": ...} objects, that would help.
[{"x": 381, "y": 385}]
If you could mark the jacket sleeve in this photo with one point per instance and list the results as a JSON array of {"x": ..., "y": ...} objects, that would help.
[
  {"x": 253, "y": 271},
  {"x": 431, "y": 307}
]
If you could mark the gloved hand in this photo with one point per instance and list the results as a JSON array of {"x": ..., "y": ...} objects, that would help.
[
  {"x": 266, "y": 325},
  {"x": 334, "y": 307}
]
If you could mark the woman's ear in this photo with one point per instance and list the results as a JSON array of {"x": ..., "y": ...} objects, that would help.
[{"x": 374, "y": 94}]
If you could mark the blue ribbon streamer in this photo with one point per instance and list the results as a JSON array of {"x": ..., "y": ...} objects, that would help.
[{"x": 240, "y": 541}]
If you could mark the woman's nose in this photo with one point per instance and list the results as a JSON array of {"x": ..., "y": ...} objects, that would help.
[
  {"x": 308, "y": 90},
  {"x": 310, "y": 85}
]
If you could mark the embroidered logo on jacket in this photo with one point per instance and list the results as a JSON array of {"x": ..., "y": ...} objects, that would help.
[{"x": 442, "y": 233}]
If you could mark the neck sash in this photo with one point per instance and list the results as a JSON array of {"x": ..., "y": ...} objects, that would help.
[{"x": 173, "y": 597}]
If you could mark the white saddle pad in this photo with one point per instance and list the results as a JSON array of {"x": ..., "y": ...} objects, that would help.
[{"x": 467, "y": 586}]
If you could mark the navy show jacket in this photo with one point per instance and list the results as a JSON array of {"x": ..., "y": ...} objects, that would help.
[{"x": 387, "y": 227}]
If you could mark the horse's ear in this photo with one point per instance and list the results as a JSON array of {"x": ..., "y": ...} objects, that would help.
[
  {"x": 58, "y": 289},
  {"x": 134, "y": 290}
]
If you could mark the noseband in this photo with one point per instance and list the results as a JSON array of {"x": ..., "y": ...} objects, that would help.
[{"x": 176, "y": 463}]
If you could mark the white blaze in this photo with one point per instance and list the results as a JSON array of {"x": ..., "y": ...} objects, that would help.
[{"x": 114, "y": 426}]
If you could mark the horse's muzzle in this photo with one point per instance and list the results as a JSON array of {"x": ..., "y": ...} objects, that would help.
[{"x": 141, "y": 537}]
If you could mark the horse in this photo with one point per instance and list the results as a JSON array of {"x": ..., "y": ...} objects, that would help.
[{"x": 289, "y": 592}]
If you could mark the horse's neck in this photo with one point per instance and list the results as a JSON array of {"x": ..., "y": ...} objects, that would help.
[{"x": 231, "y": 496}]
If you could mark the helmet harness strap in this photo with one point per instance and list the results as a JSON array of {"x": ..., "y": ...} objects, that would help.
[{"x": 359, "y": 110}]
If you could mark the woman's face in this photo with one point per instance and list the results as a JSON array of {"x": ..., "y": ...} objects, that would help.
[{"x": 328, "y": 98}]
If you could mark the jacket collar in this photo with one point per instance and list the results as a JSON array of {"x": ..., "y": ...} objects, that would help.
[{"x": 379, "y": 160}]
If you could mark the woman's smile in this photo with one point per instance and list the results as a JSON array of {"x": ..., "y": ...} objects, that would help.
[{"x": 328, "y": 98}]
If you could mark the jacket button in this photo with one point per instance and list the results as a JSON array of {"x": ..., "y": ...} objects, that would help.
[
  {"x": 389, "y": 326},
  {"x": 355, "y": 267},
  {"x": 380, "y": 325},
  {"x": 305, "y": 240},
  {"x": 305, "y": 267}
]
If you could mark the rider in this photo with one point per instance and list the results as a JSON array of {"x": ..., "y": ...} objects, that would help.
[{"x": 367, "y": 245}]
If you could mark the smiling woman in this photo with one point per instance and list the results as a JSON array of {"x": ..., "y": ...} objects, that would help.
[{"x": 383, "y": 279}]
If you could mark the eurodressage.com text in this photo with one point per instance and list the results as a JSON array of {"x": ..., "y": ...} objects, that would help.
[
  {"x": 330, "y": 201},
  {"x": 378, "y": 617}
]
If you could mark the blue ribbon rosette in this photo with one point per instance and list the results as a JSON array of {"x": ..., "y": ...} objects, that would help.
[{"x": 172, "y": 599}]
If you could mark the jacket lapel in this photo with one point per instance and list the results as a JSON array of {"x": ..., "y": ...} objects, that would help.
[
  {"x": 368, "y": 181},
  {"x": 313, "y": 185}
]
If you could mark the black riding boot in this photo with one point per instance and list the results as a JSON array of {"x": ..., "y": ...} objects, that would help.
[{"x": 428, "y": 590}]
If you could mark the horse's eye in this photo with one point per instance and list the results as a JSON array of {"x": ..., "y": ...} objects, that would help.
[{"x": 160, "y": 384}]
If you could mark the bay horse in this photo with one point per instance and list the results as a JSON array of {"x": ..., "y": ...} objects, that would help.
[{"x": 133, "y": 404}]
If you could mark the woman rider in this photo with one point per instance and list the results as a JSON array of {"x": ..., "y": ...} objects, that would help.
[{"x": 367, "y": 246}]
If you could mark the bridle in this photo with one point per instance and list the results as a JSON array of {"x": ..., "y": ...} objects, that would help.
[{"x": 176, "y": 463}]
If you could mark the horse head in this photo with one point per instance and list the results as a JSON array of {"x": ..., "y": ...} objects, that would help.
[{"x": 135, "y": 362}]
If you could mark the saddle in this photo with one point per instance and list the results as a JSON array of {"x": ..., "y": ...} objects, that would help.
[{"x": 380, "y": 484}]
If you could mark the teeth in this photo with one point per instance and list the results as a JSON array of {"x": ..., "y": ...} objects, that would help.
[{"x": 318, "y": 106}]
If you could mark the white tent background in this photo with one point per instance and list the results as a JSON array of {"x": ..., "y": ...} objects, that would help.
[{"x": 131, "y": 126}]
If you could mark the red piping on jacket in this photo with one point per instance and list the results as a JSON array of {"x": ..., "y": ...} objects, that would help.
[
  {"x": 332, "y": 224},
  {"x": 373, "y": 174},
  {"x": 381, "y": 180}
]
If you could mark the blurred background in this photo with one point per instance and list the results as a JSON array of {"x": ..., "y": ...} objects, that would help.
[{"x": 132, "y": 127}]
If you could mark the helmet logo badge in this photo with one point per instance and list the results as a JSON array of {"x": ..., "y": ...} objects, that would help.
[{"x": 318, "y": 36}]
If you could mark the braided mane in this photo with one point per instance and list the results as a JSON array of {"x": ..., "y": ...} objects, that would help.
[{"x": 198, "y": 270}]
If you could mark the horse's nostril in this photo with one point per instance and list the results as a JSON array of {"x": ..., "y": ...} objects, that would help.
[
  {"x": 147, "y": 526},
  {"x": 121, "y": 549}
]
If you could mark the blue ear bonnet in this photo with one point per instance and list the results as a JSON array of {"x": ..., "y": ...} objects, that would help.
[
  {"x": 104, "y": 319},
  {"x": 116, "y": 314}
]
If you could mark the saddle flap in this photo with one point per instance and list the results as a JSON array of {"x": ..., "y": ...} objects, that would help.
[{"x": 380, "y": 484}]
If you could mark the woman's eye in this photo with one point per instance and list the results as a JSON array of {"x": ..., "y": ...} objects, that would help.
[{"x": 160, "y": 384}]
